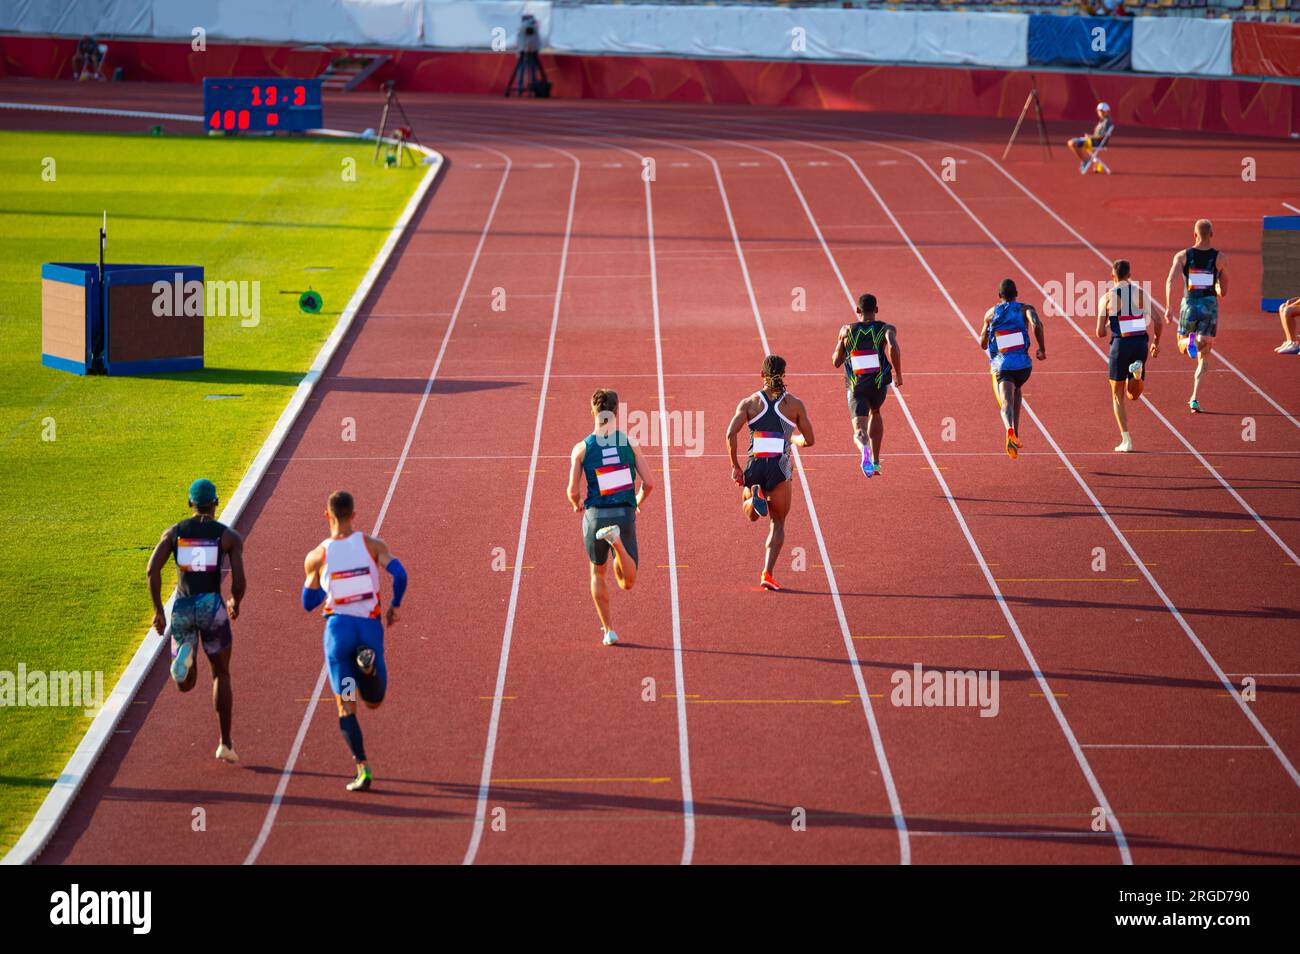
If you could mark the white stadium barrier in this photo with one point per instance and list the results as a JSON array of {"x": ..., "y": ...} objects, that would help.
[{"x": 1182, "y": 45}]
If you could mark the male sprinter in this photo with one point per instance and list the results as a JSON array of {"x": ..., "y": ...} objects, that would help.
[
  {"x": 1005, "y": 336},
  {"x": 868, "y": 351},
  {"x": 611, "y": 463},
  {"x": 1124, "y": 315},
  {"x": 200, "y": 544},
  {"x": 1085, "y": 147},
  {"x": 343, "y": 573},
  {"x": 1289, "y": 312},
  {"x": 773, "y": 415},
  {"x": 1204, "y": 283}
]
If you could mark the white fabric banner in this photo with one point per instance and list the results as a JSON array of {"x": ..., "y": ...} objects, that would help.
[
  {"x": 482, "y": 25},
  {"x": 77, "y": 17},
  {"x": 1182, "y": 45},
  {"x": 985, "y": 39},
  {"x": 346, "y": 22}
]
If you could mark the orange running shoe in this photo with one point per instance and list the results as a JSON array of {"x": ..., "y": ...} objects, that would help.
[
  {"x": 1015, "y": 438},
  {"x": 768, "y": 583},
  {"x": 1013, "y": 447}
]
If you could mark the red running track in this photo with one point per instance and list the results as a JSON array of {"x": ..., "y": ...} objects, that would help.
[{"x": 1114, "y": 693}]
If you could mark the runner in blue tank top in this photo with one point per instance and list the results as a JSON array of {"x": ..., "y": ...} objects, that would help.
[
  {"x": 777, "y": 419},
  {"x": 611, "y": 464},
  {"x": 1204, "y": 283},
  {"x": 1005, "y": 336}
]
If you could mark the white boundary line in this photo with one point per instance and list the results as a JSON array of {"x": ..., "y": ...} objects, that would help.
[
  {"x": 1292, "y": 207},
  {"x": 61, "y": 795},
  {"x": 286, "y": 773},
  {"x": 494, "y": 723}
]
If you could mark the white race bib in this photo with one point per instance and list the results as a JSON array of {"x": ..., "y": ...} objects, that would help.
[
  {"x": 1010, "y": 341},
  {"x": 1198, "y": 278},
  {"x": 350, "y": 586},
  {"x": 769, "y": 444},
  {"x": 1132, "y": 326},
  {"x": 610, "y": 480},
  {"x": 197, "y": 556},
  {"x": 864, "y": 361}
]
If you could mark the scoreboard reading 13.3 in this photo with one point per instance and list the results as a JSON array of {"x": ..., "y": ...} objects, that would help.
[{"x": 255, "y": 104}]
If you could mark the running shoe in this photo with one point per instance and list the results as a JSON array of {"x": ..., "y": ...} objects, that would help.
[
  {"x": 362, "y": 782},
  {"x": 1191, "y": 346},
  {"x": 610, "y": 638},
  {"x": 608, "y": 534},
  {"x": 1135, "y": 369},
  {"x": 366, "y": 660},
  {"x": 767, "y": 583},
  {"x": 1125, "y": 446},
  {"x": 875, "y": 468},
  {"x": 1013, "y": 448},
  {"x": 757, "y": 500},
  {"x": 868, "y": 466},
  {"x": 184, "y": 661},
  {"x": 1016, "y": 437},
  {"x": 227, "y": 754},
  {"x": 1194, "y": 405},
  {"x": 1083, "y": 166},
  {"x": 1291, "y": 347}
]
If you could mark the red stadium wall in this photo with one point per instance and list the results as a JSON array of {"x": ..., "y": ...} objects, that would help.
[
  {"x": 1266, "y": 49},
  {"x": 1194, "y": 104}
]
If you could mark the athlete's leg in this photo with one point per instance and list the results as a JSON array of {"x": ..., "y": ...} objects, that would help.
[
  {"x": 190, "y": 681},
  {"x": 1007, "y": 398},
  {"x": 778, "y": 502},
  {"x": 1015, "y": 413},
  {"x": 600, "y": 594},
  {"x": 372, "y": 670},
  {"x": 876, "y": 431},
  {"x": 222, "y": 695},
  {"x": 860, "y": 428},
  {"x": 747, "y": 504},
  {"x": 624, "y": 565},
  {"x": 1204, "y": 345},
  {"x": 1117, "y": 405}
]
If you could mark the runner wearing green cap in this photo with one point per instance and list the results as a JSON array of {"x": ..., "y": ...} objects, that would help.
[{"x": 200, "y": 544}]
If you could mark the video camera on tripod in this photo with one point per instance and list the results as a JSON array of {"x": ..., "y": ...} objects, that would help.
[{"x": 529, "y": 75}]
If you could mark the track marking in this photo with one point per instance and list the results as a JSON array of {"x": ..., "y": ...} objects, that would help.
[
  {"x": 1172, "y": 745},
  {"x": 276, "y": 800},
  {"x": 494, "y": 721},
  {"x": 953, "y": 636},
  {"x": 650, "y": 779},
  {"x": 1292, "y": 207}
]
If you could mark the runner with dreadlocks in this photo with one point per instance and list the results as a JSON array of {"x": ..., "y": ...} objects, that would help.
[
  {"x": 773, "y": 415},
  {"x": 868, "y": 351}
]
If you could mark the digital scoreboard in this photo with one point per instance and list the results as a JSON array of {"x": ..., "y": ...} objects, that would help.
[{"x": 262, "y": 104}]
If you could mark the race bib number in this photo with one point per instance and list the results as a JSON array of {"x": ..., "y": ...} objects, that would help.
[
  {"x": 611, "y": 480},
  {"x": 197, "y": 556},
  {"x": 769, "y": 443},
  {"x": 1010, "y": 341},
  {"x": 863, "y": 362},
  {"x": 351, "y": 586},
  {"x": 1132, "y": 326},
  {"x": 1200, "y": 278}
]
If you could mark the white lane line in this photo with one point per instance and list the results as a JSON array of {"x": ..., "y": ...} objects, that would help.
[
  {"x": 494, "y": 723},
  {"x": 1171, "y": 745},
  {"x": 1096, "y": 251},
  {"x": 274, "y": 808},
  {"x": 900, "y": 822},
  {"x": 1292, "y": 207},
  {"x": 1083, "y": 484}
]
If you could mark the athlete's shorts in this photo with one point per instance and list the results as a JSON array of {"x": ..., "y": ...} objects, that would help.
[
  {"x": 866, "y": 398},
  {"x": 344, "y": 635},
  {"x": 1199, "y": 315},
  {"x": 768, "y": 472},
  {"x": 200, "y": 617},
  {"x": 598, "y": 518},
  {"x": 1124, "y": 351},
  {"x": 1017, "y": 376},
  {"x": 1085, "y": 141}
]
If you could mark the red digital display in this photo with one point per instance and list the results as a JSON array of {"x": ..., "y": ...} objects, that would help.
[{"x": 239, "y": 105}]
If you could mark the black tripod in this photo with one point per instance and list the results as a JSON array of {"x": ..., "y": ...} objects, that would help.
[
  {"x": 529, "y": 76},
  {"x": 390, "y": 100}
]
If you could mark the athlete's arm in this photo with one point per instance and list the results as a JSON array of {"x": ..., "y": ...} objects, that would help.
[
  {"x": 312, "y": 594},
  {"x": 841, "y": 346},
  {"x": 384, "y": 557},
  {"x": 234, "y": 547},
  {"x": 1102, "y": 308},
  {"x": 161, "y": 554},
  {"x": 805, "y": 436},
  {"x": 737, "y": 422},
  {"x": 895, "y": 354},
  {"x": 642, "y": 471},
  {"x": 1221, "y": 284},
  {"x": 575, "y": 473},
  {"x": 1038, "y": 331},
  {"x": 1174, "y": 270},
  {"x": 984, "y": 332}
]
